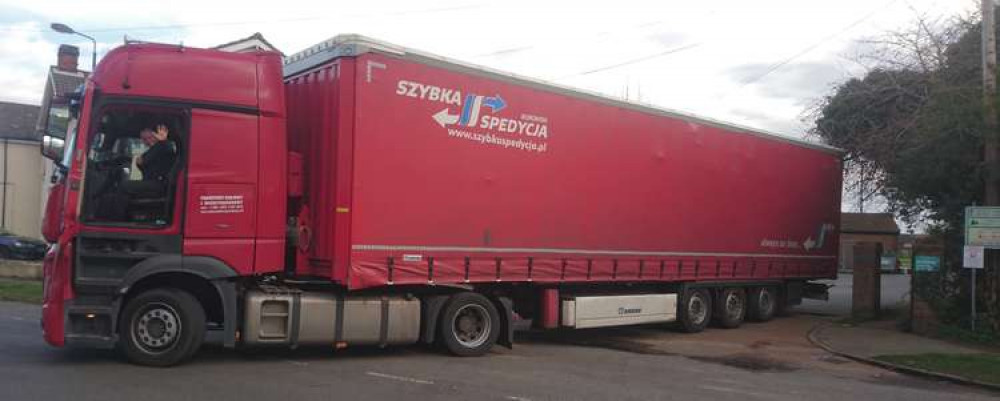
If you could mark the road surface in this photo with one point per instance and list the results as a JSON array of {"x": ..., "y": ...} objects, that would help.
[
  {"x": 895, "y": 295},
  {"x": 647, "y": 363}
]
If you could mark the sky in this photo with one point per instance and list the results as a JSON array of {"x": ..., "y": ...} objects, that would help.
[{"x": 763, "y": 63}]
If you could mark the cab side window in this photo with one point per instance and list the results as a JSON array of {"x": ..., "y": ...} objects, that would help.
[{"x": 133, "y": 164}]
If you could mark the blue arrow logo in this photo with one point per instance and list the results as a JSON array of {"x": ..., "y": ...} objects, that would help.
[{"x": 496, "y": 103}]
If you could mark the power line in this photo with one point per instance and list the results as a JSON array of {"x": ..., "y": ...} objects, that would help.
[
  {"x": 535, "y": 44},
  {"x": 774, "y": 67},
  {"x": 269, "y": 21},
  {"x": 633, "y": 61}
]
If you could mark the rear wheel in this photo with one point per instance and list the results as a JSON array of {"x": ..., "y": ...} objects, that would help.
[
  {"x": 469, "y": 325},
  {"x": 762, "y": 304},
  {"x": 161, "y": 327},
  {"x": 695, "y": 310},
  {"x": 731, "y": 307}
]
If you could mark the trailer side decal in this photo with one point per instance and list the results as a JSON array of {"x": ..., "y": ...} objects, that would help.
[{"x": 524, "y": 132}]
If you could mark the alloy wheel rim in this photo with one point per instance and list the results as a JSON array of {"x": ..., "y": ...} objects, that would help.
[
  {"x": 156, "y": 328},
  {"x": 765, "y": 303},
  {"x": 471, "y": 325},
  {"x": 734, "y": 308},
  {"x": 696, "y": 310}
]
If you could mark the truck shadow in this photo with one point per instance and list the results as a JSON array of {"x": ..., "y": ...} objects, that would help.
[
  {"x": 649, "y": 340},
  {"x": 628, "y": 339},
  {"x": 216, "y": 354}
]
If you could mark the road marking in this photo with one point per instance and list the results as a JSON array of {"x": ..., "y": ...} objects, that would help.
[
  {"x": 738, "y": 391},
  {"x": 400, "y": 378},
  {"x": 516, "y": 398},
  {"x": 297, "y": 363}
]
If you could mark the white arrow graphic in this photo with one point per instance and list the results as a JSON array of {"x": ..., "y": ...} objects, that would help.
[
  {"x": 809, "y": 243},
  {"x": 444, "y": 118}
]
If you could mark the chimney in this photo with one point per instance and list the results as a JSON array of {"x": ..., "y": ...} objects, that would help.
[{"x": 68, "y": 56}]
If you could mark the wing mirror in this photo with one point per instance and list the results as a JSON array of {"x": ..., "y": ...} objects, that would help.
[{"x": 53, "y": 148}]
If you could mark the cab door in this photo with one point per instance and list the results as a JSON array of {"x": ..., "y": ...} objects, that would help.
[
  {"x": 127, "y": 217},
  {"x": 220, "y": 215}
]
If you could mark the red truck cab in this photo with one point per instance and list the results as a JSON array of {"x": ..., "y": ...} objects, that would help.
[{"x": 214, "y": 209}]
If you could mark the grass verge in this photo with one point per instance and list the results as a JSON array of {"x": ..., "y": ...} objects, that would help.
[
  {"x": 979, "y": 367},
  {"x": 21, "y": 291}
]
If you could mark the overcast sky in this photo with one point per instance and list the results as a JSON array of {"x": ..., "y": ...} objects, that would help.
[{"x": 760, "y": 63}]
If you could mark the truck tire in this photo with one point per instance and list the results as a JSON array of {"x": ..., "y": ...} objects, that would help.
[
  {"x": 762, "y": 304},
  {"x": 161, "y": 327},
  {"x": 469, "y": 325},
  {"x": 695, "y": 310},
  {"x": 731, "y": 307}
]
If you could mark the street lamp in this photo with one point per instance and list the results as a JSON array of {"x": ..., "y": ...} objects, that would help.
[{"x": 63, "y": 28}]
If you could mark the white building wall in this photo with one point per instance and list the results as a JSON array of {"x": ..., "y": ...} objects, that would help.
[{"x": 21, "y": 191}]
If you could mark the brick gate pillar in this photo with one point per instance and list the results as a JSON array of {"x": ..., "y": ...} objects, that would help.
[{"x": 867, "y": 288}]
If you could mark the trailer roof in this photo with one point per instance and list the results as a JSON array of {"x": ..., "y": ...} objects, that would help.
[{"x": 349, "y": 45}]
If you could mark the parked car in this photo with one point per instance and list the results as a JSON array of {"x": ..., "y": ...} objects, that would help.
[{"x": 13, "y": 246}]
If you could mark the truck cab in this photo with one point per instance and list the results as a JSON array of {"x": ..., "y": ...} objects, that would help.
[{"x": 172, "y": 171}]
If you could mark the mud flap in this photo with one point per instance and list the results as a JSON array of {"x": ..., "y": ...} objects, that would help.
[
  {"x": 793, "y": 293},
  {"x": 430, "y": 308},
  {"x": 506, "y": 308},
  {"x": 818, "y": 291}
]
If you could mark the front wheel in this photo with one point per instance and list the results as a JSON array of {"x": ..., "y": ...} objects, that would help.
[
  {"x": 469, "y": 325},
  {"x": 161, "y": 327}
]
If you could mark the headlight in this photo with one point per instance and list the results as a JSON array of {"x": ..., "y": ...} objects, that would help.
[{"x": 20, "y": 244}]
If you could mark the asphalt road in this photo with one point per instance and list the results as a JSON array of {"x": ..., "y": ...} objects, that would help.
[
  {"x": 539, "y": 368},
  {"x": 895, "y": 295}
]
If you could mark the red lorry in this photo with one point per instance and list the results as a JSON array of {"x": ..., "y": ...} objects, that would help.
[{"x": 365, "y": 193}]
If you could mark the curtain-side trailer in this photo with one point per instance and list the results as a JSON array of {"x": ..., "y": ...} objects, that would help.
[{"x": 366, "y": 193}]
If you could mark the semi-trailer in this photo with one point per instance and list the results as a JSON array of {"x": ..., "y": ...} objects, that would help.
[{"x": 361, "y": 192}]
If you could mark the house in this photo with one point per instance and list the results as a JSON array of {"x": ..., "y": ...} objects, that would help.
[
  {"x": 250, "y": 43},
  {"x": 22, "y": 170},
  {"x": 869, "y": 227}
]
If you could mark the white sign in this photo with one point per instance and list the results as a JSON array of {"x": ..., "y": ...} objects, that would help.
[
  {"x": 982, "y": 226},
  {"x": 973, "y": 257},
  {"x": 220, "y": 204}
]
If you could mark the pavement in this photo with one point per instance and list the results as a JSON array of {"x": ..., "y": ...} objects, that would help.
[
  {"x": 882, "y": 338},
  {"x": 21, "y": 269},
  {"x": 866, "y": 341},
  {"x": 863, "y": 342},
  {"x": 768, "y": 361}
]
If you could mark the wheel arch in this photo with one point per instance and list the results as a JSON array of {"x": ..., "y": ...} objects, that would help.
[
  {"x": 207, "y": 279},
  {"x": 432, "y": 305}
]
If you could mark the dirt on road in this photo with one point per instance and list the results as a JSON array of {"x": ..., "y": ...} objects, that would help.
[{"x": 781, "y": 345}]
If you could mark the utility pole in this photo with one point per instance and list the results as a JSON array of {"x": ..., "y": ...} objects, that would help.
[
  {"x": 989, "y": 51},
  {"x": 992, "y": 196}
]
